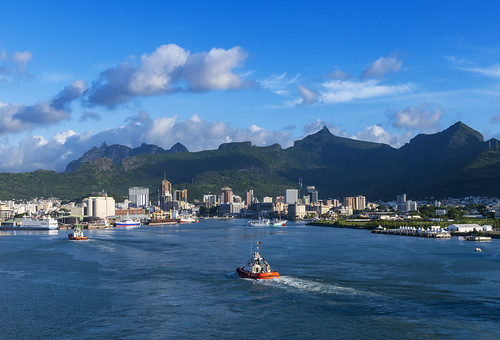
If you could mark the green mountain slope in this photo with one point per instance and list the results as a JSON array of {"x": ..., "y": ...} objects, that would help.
[{"x": 454, "y": 162}]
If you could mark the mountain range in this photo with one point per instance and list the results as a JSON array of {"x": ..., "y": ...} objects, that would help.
[{"x": 455, "y": 162}]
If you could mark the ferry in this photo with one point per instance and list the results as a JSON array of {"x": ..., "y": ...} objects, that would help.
[
  {"x": 128, "y": 223},
  {"x": 77, "y": 234},
  {"x": 257, "y": 268},
  {"x": 265, "y": 222},
  {"x": 33, "y": 223}
]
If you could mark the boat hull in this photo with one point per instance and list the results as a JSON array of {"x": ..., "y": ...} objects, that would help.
[
  {"x": 131, "y": 224},
  {"x": 256, "y": 276},
  {"x": 77, "y": 238},
  {"x": 27, "y": 228}
]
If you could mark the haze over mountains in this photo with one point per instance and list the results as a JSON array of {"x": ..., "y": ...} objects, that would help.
[{"x": 455, "y": 162}]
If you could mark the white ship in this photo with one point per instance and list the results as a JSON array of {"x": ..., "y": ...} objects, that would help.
[{"x": 34, "y": 223}]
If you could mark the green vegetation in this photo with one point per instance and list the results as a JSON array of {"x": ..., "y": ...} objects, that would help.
[{"x": 453, "y": 163}]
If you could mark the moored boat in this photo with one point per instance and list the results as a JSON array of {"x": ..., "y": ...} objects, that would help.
[
  {"x": 33, "y": 223},
  {"x": 128, "y": 223},
  {"x": 188, "y": 220},
  {"x": 257, "y": 268}
]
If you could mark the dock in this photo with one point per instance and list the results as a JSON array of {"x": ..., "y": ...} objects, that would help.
[{"x": 430, "y": 233}]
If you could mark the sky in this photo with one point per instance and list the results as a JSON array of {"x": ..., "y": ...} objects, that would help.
[{"x": 76, "y": 74}]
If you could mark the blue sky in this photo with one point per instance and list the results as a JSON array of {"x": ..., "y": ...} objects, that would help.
[{"x": 76, "y": 74}]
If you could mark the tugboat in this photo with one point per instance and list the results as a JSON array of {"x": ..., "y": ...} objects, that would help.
[
  {"x": 257, "y": 268},
  {"x": 77, "y": 234}
]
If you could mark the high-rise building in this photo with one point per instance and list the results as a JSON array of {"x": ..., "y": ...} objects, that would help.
[
  {"x": 360, "y": 202},
  {"x": 166, "y": 187},
  {"x": 349, "y": 202},
  {"x": 249, "y": 197},
  {"x": 139, "y": 196},
  {"x": 291, "y": 196},
  {"x": 209, "y": 200},
  {"x": 401, "y": 203},
  {"x": 226, "y": 195},
  {"x": 180, "y": 195}
]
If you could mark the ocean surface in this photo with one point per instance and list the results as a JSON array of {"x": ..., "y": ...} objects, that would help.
[{"x": 156, "y": 282}]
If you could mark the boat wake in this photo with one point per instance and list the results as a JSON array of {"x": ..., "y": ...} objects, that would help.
[
  {"x": 309, "y": 286},
  {"x": 232, "y": 275}
]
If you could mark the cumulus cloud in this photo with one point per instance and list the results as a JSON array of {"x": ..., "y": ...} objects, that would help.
[
  {"x": 422, "y": 117},
  {"x": 373, "y": 133},
  {"x": 377, "y": 134},
  {"x": 16, "y": 117},
  {"x": 168, "y": 69},
  {"x": 382, "y": 66},
  {"x": 195, "y": 133}
]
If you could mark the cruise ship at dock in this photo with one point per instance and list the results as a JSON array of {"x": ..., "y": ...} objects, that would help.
[{"x": 32, "y": 223}]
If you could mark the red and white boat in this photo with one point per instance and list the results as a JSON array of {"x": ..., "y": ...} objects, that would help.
[
  {"x": 257, "y": 268},
  {"x": 77, "y": 235}
]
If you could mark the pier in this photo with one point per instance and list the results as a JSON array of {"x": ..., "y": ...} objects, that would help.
[{"x": 415, "y": 232}]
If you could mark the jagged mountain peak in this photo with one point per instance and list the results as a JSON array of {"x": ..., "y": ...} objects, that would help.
[
  {"x": 456, "y": 136},
  {"x": 116, "y": 153}
]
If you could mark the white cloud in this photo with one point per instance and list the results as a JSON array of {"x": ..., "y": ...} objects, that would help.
[
  {"x": 377, "y": 134},
  {"x": 422, "y": 117},
  {"x": 338, "y": 91},
  {"x": 382, "y": 66},
  {"x": 168, "y": 69},
  {"x": 308, "y": 96},
  {"x": 492, "y": 71},
  {"x": 21, "y": 59},
  {"x": 13, "y": 66},
  {"x": 279, "y": 84},
  {"x": 213, "y": 70},
  {"x": 61, "y": 137},
  {"x": 195, "y": 133},
  {"x": 338, "y": 74},
  {"x": 156, "y": 70},
  {"x": 318, "y": 124}
]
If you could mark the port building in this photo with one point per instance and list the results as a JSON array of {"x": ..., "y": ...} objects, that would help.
[{"x": 139, "y": 196}]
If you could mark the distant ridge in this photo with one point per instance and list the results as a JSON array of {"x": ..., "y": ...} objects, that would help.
[
  {"x": 117, "y": 153},
  {"x": 455, "y": 162}
]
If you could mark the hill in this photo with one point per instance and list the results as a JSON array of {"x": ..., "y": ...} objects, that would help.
[{"x": 454, "y": 162}]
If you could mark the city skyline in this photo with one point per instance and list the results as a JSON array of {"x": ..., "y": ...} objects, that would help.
[{"x": 75, "y": 75}]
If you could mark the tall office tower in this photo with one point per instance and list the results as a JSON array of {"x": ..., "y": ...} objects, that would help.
[
  {"x": 360, "y": 202},
  {"x": 291, "y": 196},
  {"x": 349, "y": 202},
  {"x": 226, "y": 195},
  {"x": 166, "y": 187},
  {"x": 249, "y": 197},
  {"x": 139, "y": 196},
  {"x": 401, "y": 203}
]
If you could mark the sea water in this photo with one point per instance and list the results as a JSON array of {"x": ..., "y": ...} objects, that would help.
[{"x": 179, "y": 281}]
